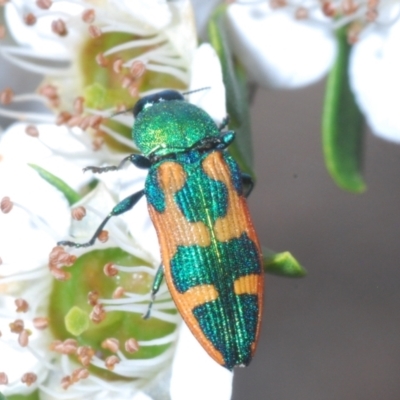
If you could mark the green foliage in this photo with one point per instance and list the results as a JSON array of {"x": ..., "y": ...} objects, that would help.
[
  {"x": 69, "y": 193},
  {"x": 342, "y": 124},
  {"x": 237, "y": 99},
  {"x": 282, "y": 264}
]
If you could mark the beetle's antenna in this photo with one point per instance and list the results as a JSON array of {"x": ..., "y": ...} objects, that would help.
[
  {"x": 121, "y": 112},
  {"x": 196, "y": 90}
]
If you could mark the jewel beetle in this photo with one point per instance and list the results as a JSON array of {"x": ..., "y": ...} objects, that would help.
[{"x": 196, "y": 196}]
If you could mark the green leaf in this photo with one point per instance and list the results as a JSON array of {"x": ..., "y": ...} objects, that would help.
[
  {"x": 342, "y": 124},
  {"x": 70, "y": 194},
  {"x": 237, "y": 98},
  {"x": 282, "y": 264},
  {"x": 31, "y": 396}
]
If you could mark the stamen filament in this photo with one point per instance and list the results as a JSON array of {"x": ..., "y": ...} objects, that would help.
[
  {"x": 119, "y": 138},
  {"x": 134, "y": 44}
]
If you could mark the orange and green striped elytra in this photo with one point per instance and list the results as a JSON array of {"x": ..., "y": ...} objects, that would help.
[{"x": 196, "y": 196}]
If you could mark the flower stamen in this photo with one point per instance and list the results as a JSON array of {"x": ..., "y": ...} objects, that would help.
[
  {"x": 59, "y": 27},
  {"x": 29, "y": 378},
  {"x": 89, "y": 16}
]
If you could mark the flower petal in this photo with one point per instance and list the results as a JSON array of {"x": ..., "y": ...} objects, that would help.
[
  {"x": 192, "y": 367},
  {"x": 206, "y": 72},
  {"x": 154, "y": 13},
  {"x": 277, "y": 50},
  {"x": 375, "y": 79}
]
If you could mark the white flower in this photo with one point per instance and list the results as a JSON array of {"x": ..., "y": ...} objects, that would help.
[
  {"x": 278, "y": 50},
  {"x": 87, "y": 78},
  {"x": 289, "y": 44}
]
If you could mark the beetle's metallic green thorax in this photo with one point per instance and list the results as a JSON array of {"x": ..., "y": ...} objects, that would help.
[{"x": 171, "y": 127}]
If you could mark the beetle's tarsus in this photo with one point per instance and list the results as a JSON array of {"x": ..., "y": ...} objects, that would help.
[
  {"x": 147, "y": 314},
  {"x": 74, "y": 244}
]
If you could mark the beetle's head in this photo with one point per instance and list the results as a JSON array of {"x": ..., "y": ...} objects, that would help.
[{"x": 150, "y": 100}]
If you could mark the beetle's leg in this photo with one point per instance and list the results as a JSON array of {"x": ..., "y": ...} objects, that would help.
[
  {"x": 100, "y": 170},
  {"x": 247, "y": 183},
  {"x": 224, "y": 123},
  {"x": 220, "y": 142},
  {"x": 136, "y": 159},
  {"x": 122, "y": 207},
  {"x": 156, "y": 286},
  {"x": 140, "y": 161}
]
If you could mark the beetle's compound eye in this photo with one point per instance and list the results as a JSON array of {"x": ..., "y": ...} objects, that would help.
[{"x": 158, "y": 97}]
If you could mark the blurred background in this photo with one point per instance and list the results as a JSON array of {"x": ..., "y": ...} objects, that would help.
[{"x": 334, "y": 334}]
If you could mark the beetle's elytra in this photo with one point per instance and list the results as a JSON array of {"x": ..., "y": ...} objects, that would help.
[{"x": 211, "y": 257}]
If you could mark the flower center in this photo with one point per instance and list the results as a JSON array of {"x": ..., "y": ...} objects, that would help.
[{"x": 103, "y": 302}]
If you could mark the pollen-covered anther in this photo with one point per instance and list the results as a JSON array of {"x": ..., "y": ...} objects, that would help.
[
  {"x": 121, "y": 108},
  {"x": 85, "y": 355},
  {"x": 78, "y": 104},
  {"x": 2, "y": 32},
  {"x": 103, "y": 236},
  {"x": 79, "y": 373},
  {"x": 3, "y": 378},
  {"x": 66, "y": 382},
  {"x": 88, "y": 16},
  {"x": 126, "y": 81},
  {"x": 6, "y": 205},
  {"x": 98, "y": 313},
  {"x": 117, "y": 65},
  {"x": 353, "y": 32},
  {"x": 101, "y": 60},
  {"x": 133, "y": 90},
  {"x": 68, "y": 346},
  {"x": 23, "y": 337},
  {"x": 30, "y": 19},
  {"x": 328, "y": 9},
  {"x": 372, "y": 14},
  {"x": 93, "y": 297},
  {"x": 29, "y": 378},
  {"x": 301, "y": 13},
  {"x": 22, "y": 305},
  {"x": 59, "y": 27},
  {"x": 110, "y": 269},
  {"x": 75, "y": 120},
  {"x": 349, "y": 7},
  {"x": 97, "y": 143},
  {"x": 40, "y": 323},
  {"x": 55, "y": 253},
  {"x": 59, "y": 274},
  {"x": 131, "y": 345},
  {"x": 95, "y": 121},
  {"x": 78, "y": 213},
  {"x": 94, "y": 31},
  {"x": 118, "y": 292},
  {"x": 6, "y": 96},
  {"x": 50, "y": 92},
  {"x": 277, "y": 3},
  {"x": 63, "y": 118},
  {"x": 17, "y": 326},
  {"x": 84, "y": 123},
  {"x": 44, "y": 4},
  {"x": 111, "y": 344},
  {"x": 59, "y": 258},
  {"x": 111, "y": 361},
  {"x": 32, "y": 131},
  {"x": 137, "y": 69}
]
